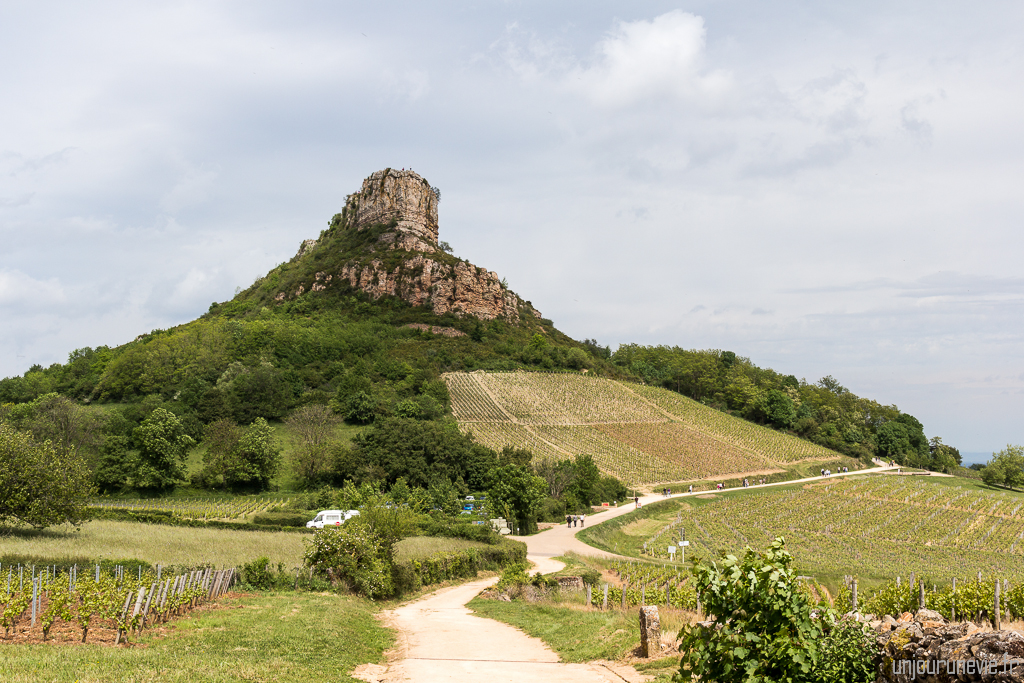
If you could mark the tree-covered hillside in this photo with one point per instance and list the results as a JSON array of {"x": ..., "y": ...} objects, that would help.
[
  {"x": 826, "y": 412},
  {"x": 304, "y": 335}
]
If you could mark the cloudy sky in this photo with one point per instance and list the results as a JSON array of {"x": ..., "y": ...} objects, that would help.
[{"x": 825, "y": 188}]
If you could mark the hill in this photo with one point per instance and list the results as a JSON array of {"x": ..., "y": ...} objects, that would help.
[
  {"x": 373, "y": 302},
  {"x": 642, "y": 435},
  {"x": 368, "y": 316}
]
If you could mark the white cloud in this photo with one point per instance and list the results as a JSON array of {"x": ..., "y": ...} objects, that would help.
[
  {"x": 21, "y": 291},
  {"x": 640, "y": 61}
]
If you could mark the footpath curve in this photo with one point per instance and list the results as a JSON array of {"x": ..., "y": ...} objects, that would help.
[{"x": 440, "y": 640}]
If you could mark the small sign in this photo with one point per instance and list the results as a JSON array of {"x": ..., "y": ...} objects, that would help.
[
  {"x": 604, "y": 505},
  {"x": 671, "y": 550},
  {"x": 685, "y": 543}
]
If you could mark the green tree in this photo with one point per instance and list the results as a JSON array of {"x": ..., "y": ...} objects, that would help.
[
  {"x": 163, "y": 446},
  {"x": 892, "y": 441},
  {"x": 420, "y": 451},
  {"x": 40, "y": 484},
  {"x": 1006, "y": 468},
  {"x": 240, "y": 459},
  {"x": 259, "y": 392},
  {"x": 515, "y": 493},
  {"x": 779, "y": 409},
  {"x": 585, "y": 478}
]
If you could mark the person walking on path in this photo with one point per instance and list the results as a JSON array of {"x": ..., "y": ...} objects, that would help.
[
  {"x": 583, "y": 519},
  {"x": 568, "y": 521},
  {"x": 636, "y": 501}
]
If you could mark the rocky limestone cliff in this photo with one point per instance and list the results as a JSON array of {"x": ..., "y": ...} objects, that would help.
[
  {"x": 401, "y": 196},
  {"x": 404, "y": 259}
]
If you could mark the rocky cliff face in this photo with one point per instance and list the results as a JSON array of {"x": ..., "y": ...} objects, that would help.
[
  {"x": 404, "y": 259},
  {"x": 401, "y": 196}
]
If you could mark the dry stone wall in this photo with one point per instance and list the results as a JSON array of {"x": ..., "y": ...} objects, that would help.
[{"x": 924, "y": 647}]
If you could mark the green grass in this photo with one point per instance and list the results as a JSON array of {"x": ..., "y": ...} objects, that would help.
[
  {"x": 155, "y": 543},
  {"x": 281, "y": 637},
  {"x": 576, "y": 635},
  {"x": 420, "y": 547},
  {"x": 583, "y": 634}
]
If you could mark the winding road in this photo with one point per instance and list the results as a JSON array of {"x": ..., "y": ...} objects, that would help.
[{"x": 440, "y": 640}]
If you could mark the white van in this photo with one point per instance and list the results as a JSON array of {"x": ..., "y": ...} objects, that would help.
[{"x": 330, "y": 518}]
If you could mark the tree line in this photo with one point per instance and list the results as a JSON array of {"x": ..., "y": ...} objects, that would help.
[{"x": 825, "y": 412}]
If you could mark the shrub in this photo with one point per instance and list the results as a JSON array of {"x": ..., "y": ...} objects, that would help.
[
  {"x": 763, "y": 628},
  {"x": 352, "y": 554},
  {"x": 844, "y": 655},
  {"x": 257, "y": 574},
  {"x": 281, "y": 519}
]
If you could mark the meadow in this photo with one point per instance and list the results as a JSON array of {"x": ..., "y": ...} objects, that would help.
[
  {"x": 153, "y": 543},
  {"x": 284, "y": 636}
]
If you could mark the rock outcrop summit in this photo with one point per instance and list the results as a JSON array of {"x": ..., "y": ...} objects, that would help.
[{"x": 392, "y": 223}]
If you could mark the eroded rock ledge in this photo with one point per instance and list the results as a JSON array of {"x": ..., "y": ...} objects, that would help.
[{"x": 406, "y": 203}]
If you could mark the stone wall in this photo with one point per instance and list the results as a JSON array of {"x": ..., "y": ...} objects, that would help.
[{"x": 924, "y": 647}]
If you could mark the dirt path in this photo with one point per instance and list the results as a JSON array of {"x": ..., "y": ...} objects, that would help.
[{"x": 440, "y": 639}]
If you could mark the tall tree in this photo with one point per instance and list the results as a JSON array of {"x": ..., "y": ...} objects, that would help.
[
  {"x": 163, "y": 446},
  {"x": 40, "y": 484},
  {"x": 515, "y": 493}
]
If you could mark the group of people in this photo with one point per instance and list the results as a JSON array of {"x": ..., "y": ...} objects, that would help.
[
  {"x": 828, "y": 473},
  {"x": 666, "y": 492},
  {"x": 573, "y": 520}
]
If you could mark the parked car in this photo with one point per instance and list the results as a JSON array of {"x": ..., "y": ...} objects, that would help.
[{"x": 331, "y": 518}]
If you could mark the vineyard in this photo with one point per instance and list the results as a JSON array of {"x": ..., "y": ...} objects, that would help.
[
  {"x": 34, "y": 602},
  {"x": 879, "y": 527},
  {"x": 194, "y": 508},
  {"x": 640, "y": 434}
]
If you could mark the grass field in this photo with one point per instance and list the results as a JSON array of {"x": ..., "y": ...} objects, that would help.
[
  {"x": 642, "y": 435},
  {"x": 278, "y": 637},
  {"x": 183, "y": 546},
  {"x": 419, "y": 547},
  {"x": 877, "y": 527},
  {"x": 155, "y": 543}
]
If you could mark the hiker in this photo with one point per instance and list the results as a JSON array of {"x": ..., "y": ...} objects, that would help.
[
  {"x": 583, "y": 519},
  {"x": 568, "y": 521},
  {"x": 636, "y": 499},
  {"x": 691, "y": 488}
]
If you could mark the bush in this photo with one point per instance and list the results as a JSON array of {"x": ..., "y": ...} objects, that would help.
[
  {"x": 445, "y": 528},
  {"x": 352, "y": 555},
  {"x": 256, "y": 574},
  {"x": 460, "y": 564},
  {"x": 40, "y": 484},
  {"x": 764, "y": 629},
  {"x": 289, "y": 519},
  {"x": 844, "y": 655}
]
